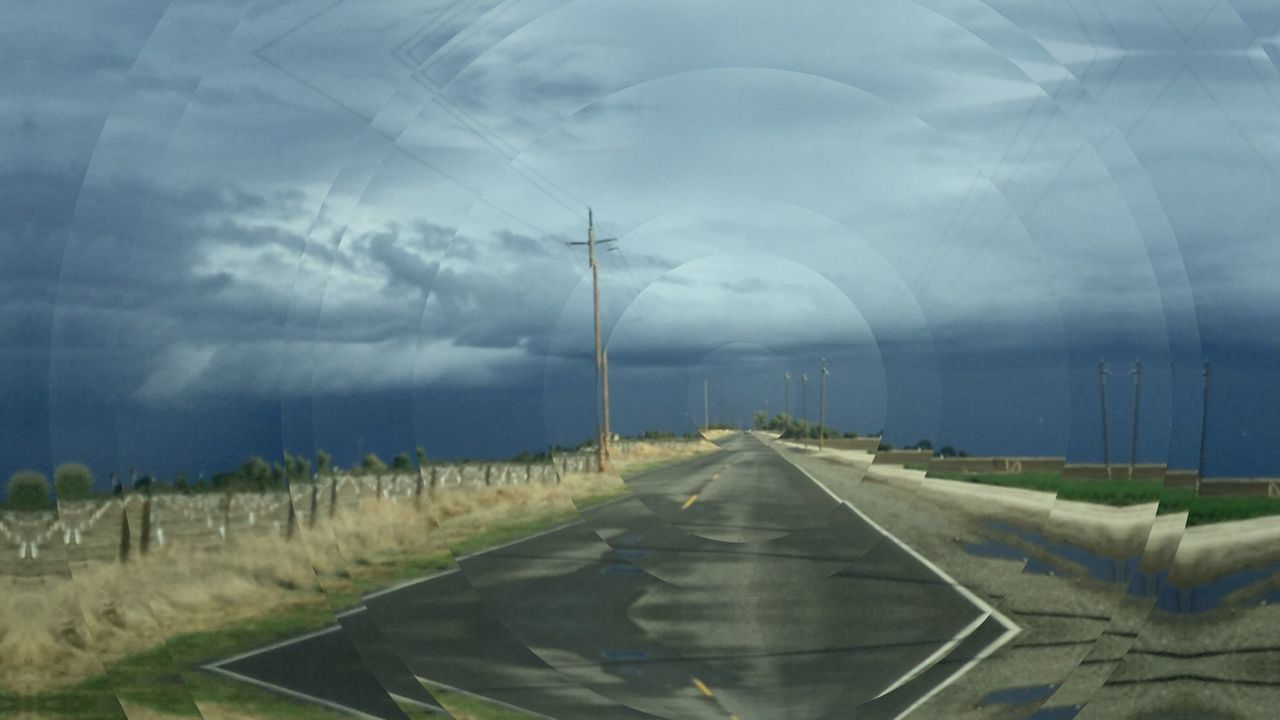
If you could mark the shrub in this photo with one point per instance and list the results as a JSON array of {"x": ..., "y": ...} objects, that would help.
[
  {"x": 72, "y": 481},
  {"x": 372, "y": 464},
  {"x": 324, "y": 462},
  {"x": 28, "y": 490}
]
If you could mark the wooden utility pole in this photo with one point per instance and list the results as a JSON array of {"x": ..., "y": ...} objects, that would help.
[
  {"x": 602, "y": 391},
  {"x": 822, "y": 408},
  {"x": 595, "y": 304},
  {"x": 1204, "y": 427},
  {"x": 604, "y": 375},
  {"x": 1106, "y": 441},
  {"x": 1133, "y": 439}
]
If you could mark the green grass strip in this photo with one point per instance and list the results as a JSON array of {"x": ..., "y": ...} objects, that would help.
[{"x": 1121, "y": 493}]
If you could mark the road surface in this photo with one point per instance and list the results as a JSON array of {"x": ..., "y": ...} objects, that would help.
[{"x": 729, "y": 586}]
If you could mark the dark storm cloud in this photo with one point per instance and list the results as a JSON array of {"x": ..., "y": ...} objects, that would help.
[{"x": 183, "y": 216}]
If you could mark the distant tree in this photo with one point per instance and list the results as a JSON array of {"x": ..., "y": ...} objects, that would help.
[
  {"x": 401, "y": 463},
  {"x": 72, "y": 481},
  {"x": 885, "y": 446},
  {"x": 180, "y": 483},
  {"x": 372, "y": 464},
  {"x": 255, "y": 472},
  {"x": 324, "y": 462},
  {"x": 946, "y": 451},
  {"x": 656, "y": 435},
  {"x": 760, "y": 420},
  {"x": 925, "y": 444},
  {"x": 28, "y": 490},
  {"x": 851, "y": 434},
  {"x": 421, "y": 452},
  {"x": 298, "y": 467}
]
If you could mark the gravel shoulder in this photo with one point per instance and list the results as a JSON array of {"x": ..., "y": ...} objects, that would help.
[{"x": 1088, "y": 646}]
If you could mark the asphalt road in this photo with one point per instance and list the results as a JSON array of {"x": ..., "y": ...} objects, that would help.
[{"x": 731, "y": 585}]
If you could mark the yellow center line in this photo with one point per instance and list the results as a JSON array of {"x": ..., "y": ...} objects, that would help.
[
  {"x": 692, "y": 499},
  {"x": 716, "y": 476},
  {"x": 702, "y": 687}
]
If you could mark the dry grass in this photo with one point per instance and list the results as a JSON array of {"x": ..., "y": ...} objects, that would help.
[
  {"x": 56, "y": 630},
  {"x": 43, "y": 635},
  {"x": 628, "y": 457},
  {"x": 62, "y": 626}
]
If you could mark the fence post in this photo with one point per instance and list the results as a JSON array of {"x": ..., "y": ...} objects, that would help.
[
  {"x": 417, "y": 491},
  {"x": 125, "y": 540},
  {"x": 144, "y": 543},
  {"x": 488, "y": 475},
  {"x": 293, "y": 520},
  {"x": 226, "y": 515},
  {"x": 333, "y": 494},
  {"x": 311, "y": 515}
]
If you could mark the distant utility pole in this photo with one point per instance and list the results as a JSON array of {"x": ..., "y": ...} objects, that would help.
[
  {"x": 1204, "y": 426},
  {"x": 602, "y": 391},
  {"x": 706, "y": 408},
  {"x": 786, "y": 393},
  {"x": 804, "y": 404},
  {"x": 1133, "y": 440},
  {"x": 822, "y": 408},
  {"x": 1106, "y": 442}
]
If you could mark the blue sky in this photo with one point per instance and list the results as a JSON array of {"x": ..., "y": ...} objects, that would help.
[{"x": 258, "y": 227}]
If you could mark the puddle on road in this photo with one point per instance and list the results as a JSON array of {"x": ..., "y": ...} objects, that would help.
[
  {"x": 993, "y": 549},
  {"x": 1019, "y": 695},
  {"x": 1065, "y": 712},
  {"x": 1031, "y": 694},
  {"x": 1168, "y": 597}
]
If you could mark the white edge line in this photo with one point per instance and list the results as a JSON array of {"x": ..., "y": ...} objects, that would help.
[
  {"x": 485, "y": 698},
  {"x": 217, "y": 665},
  {"x": 1011, "y": 629},
  {"x": 986, "y": 652},
  {"x": 294, "y": 693},
  {"x": 418, "y": 703},
  {"x": 935, "y": 657}
]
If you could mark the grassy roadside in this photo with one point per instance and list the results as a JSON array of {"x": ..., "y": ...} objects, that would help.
[
  {"x": 162, "y": 681},
  {"x": 1119, "y": 493},
  {"x": 630, "y": 470}
]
